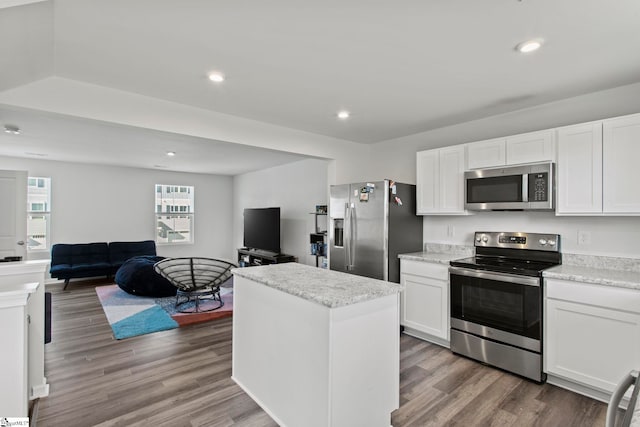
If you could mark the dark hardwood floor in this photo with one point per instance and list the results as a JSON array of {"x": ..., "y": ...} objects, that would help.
[{"x": 181, "y": 377}]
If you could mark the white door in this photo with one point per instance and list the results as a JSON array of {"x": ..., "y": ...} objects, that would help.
[{"x": 13, "y": 213}]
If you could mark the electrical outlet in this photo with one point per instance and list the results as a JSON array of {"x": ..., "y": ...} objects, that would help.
[
  {"x": 584, "y": 237},
  {"x": 450, "y": 230}
]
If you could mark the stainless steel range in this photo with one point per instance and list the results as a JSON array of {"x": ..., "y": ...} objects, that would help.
[{"x": 496, "y": 300}]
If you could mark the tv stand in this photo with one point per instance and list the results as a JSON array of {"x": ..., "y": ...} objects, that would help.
[{"x": 248, "y": 257}]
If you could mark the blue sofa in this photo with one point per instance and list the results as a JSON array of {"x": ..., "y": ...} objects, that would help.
[{"x": 81, "y": 260}]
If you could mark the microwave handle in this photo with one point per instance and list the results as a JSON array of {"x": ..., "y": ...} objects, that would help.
[{"x": 525, "y": 187}]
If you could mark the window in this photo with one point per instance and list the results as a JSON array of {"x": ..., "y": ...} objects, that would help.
[
  {"x": 174, "y": 214},
  {"x": 38, "y": 213}
]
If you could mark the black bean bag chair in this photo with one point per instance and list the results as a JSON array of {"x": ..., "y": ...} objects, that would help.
[{"x": 136, "y": 276}]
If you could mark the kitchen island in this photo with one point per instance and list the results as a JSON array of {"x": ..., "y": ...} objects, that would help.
[{"x": 315, "y": 347}]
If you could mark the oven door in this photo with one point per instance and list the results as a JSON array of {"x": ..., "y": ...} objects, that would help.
[{"x": 502, "y": 307}]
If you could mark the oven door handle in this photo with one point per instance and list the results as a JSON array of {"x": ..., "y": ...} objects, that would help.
[{"x": 492, "y": 275}]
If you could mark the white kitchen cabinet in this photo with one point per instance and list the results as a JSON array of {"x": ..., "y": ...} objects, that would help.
[
  {"x": 597, "y": 168},
  {"x": 530, "y": 147},
  {"x": 14, "y": 358},
  {"x": 579, "y": 169},
  {"x": 486, "y": 154},
  {"x": 440, "y": 181},
  {"x": 424, "y": 303},
  {"x": 14, "y": 275},
  {"x": 621, "y": 171},
  {"x": 592, "y": 335}
]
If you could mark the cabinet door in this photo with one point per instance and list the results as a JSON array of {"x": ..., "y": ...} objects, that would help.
[
  {"x": 452, "y": 162},
  {"x": 579, "y": 171},
  {"x": 530, "y": 147},
  {"x": 427, "y": 181},
  {"x": 425, "y": 305},
  {"x": 485, "y": 154},
  {"x": 592, "y": 345},
  {"x": 621, "y": 173}
]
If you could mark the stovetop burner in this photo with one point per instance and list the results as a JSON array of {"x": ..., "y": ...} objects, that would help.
[{"x": 526, "y": 254}]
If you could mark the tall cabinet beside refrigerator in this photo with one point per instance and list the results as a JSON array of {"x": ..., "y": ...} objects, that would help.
[{"x": 370, "y": 224}]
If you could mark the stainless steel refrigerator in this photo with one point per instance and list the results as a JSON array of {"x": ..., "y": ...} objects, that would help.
[{"x": 370, "y": 224}]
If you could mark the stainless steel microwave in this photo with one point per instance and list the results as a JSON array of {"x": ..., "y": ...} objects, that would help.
[{"x": 523, "y": 187}]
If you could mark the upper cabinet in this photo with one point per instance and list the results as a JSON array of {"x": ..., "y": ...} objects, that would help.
[
  {"x": 621, "y": 172},
  {"x": 512, "y": 150},
  {"x": 440, "y": 181},
  {"x": 486, "y": 154},
  {"x": 579, "y": 171},
  {"x": 597, "y": 168}
]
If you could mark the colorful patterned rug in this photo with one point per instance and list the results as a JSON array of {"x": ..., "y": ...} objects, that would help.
[{"x": 131, "y": 315}]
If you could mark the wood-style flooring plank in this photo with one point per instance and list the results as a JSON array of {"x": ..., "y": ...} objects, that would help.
[{"x": 182, "y": 377}]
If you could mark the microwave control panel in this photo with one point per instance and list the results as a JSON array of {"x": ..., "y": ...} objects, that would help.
[{"x": 538, "y": 184}]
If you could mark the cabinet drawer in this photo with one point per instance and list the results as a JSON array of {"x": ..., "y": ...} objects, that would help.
[
  {"x": 596, "y": 295},
  {"x": 425, "y": 269}
]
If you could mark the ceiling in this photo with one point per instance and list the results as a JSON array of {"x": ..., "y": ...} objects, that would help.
[
  {"x": 399, "y": 69},
  {"x": 51, "y": 136}
]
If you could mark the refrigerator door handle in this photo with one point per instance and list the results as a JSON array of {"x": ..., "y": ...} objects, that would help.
[
  {"x": 352, "y": 236},
  {"x": 347, "y": 236}
]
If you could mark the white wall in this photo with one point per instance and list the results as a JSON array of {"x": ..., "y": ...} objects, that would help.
[
  {"x": 610, "y": 236},
  {"x": 296, "y": 188},
  {"x": 91, "y": 203},
  {"x": 396, "y": 158}
]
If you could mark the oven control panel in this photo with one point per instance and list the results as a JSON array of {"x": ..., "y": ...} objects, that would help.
[
  {"x": 521, "y": 240},
  {"x": 518, "y": 240}
]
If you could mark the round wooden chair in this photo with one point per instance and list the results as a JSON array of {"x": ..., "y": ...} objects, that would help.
[{"x": 197, "y": 280}]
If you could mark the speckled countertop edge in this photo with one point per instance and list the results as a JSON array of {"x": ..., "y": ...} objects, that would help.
[
  {"x": 331, "y": 289},
  {"x": 439, "y": 253},
  {"x": 624, "y": 272},
  {"x": 433, "y": 257},
  {"x": 597, "y": 276}
]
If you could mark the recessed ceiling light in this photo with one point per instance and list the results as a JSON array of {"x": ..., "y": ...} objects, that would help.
[
  {"x": 216, "y": 76},
  {"x": 529, "y": 46},
  {"x": 171, "y": 153},
  {"x": 344, "y": 114},
  {"x": 12, "y": 129}
]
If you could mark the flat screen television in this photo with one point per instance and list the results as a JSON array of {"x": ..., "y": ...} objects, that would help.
[{"x": 262, "y": 229}]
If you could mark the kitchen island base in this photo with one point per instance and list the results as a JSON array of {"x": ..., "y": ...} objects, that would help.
[{"x": 307, "y": 364}]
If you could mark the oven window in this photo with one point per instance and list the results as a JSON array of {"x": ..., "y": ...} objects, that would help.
[
  {"x": 497, "y": 304},
  {"x": 495, "y": 189}
]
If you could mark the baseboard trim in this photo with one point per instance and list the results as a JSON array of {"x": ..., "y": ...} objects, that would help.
[
  {"x": 584, "y": 390},
  {"x": 426, "y": 337},
  {"x": 41, "y": 390}
]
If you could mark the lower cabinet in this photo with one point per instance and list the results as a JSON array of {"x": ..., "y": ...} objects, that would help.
[
  {"x": 592, "y": 336},
  {"x": 424, "y": 303}
]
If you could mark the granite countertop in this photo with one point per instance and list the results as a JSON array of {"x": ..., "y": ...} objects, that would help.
[
  {"x": 326, "y": 287},
  {"x": 439, "y": 253},
  {"x": 433, "y": 257},
  {"x": 597, "y": 276}
]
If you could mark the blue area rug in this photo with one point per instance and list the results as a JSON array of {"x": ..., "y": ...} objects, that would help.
[
  {"x": 153, "y": 319},
  {"x": 132, "y": 315}
]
